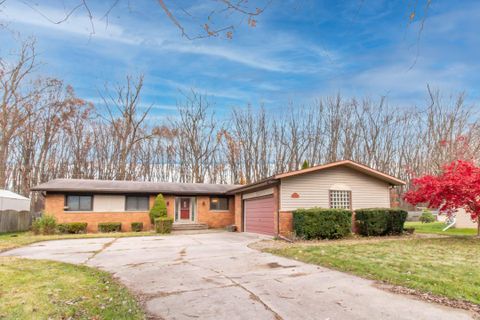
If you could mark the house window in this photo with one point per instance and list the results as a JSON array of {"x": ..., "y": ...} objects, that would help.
[
  {"x": 135, "y": 203},
  {"x": 79, "y": 203},
  {"x": 218, "y": 203},
  {"x": 340, "y": 199}
]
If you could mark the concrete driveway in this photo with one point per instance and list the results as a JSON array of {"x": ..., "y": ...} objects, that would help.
[{"x": 216, "y": 276}]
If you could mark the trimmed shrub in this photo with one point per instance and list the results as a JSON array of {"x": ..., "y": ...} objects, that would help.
[
  {"x": 110, "y": 227},
  {"x": 427, "y": 216},
  {"x": 163, "y": 225},
  {"x": 380, "y": 221},
  {"x": 396, "y": 221},
  {"x": 72, "y": 227},
  {"x": 137, "y": 226},
  {"x": 318, "y": 223},
  {"x": 36, "y": 229},
  {"x": 46, "y": 224},
  {"x": 159, "y": 208}
]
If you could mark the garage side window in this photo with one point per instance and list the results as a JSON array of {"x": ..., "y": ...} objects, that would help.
[
  {"x": 218, "y": 203},
  {"x": 79, "y": 203},
  {"x": 340, "y": 199},
  {"x": 135, "y": 203}
]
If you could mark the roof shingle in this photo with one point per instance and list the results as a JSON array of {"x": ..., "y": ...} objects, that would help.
[{"x": 116, "y": 186}]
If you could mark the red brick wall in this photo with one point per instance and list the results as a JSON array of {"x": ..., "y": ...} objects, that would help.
[
  {"x": 394, "y": 198},
  {"x": 286, "y": 223},
  {"x": 214, "y": 218},
  {"x": 238, "y": 212},
  {"x": 54, "y": 204}
]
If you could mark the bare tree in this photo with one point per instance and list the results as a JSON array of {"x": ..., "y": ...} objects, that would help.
[
  {"x": 221, "y": 20},
  {"x": 197, "y": 138},
  {"x": 17, "y": 96},
  {"x": 126, "y": 124}
]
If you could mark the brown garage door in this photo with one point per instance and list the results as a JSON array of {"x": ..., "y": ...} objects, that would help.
[{"x": 259, "y": 215}]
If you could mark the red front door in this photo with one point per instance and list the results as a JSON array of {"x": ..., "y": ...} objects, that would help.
[{"x": 185, "y": 209}]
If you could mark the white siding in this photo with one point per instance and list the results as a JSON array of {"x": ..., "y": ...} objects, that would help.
[
  {"x": 257, "y": 194},
  {"x": 313, "y": 189},
  {"x": 109, "y": 203},
  {"x": 463, "y": 220}
]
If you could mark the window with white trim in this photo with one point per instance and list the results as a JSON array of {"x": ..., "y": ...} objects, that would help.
[
  {"x": 79, "y": 203},
  {"x": 218, "y": 203},
  {"x": 136, "y": 203},
  {"x": 340, "y": 199}
]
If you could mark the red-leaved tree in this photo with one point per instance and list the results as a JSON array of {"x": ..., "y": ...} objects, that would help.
[{"x": 457, "y": 186}]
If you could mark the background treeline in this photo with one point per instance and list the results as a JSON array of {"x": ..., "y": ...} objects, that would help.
[{"x": 48, "y": 132}]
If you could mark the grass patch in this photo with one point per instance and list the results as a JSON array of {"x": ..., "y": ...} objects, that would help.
[
  {"x": 443, "y": 266},
  {"x": 437, "y": 227},
  {"x": 37, "y": 289},
  {"x": 17, "y": 239}
]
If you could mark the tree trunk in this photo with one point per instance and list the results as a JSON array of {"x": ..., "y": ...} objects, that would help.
[{"x": 478, "y": 226}]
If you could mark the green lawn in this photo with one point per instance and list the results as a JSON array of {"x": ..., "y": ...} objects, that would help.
[
  {"x": 443, "y": 266},
  {"x": 17, "y": 239},
  {"x": 37, "y": 289},
  {"x": 436, "y": 228}
]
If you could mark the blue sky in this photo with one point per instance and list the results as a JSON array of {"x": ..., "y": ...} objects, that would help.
[{"x": 299, "y": 51}]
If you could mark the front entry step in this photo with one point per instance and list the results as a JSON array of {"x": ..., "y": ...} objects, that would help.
[{"x": 189, "y": 226}]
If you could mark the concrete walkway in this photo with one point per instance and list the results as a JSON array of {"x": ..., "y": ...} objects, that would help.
[{"x": 216, "y": 276}]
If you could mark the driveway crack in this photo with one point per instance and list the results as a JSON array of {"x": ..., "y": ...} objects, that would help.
[
  {"x": 253, "y": 296},
  {"x": 95, "y": 253}
]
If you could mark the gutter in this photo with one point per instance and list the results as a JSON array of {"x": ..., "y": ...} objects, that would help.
[{"x": 265, "y": 183}]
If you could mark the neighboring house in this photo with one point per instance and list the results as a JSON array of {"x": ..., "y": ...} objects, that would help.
[
  {"x": 13, "y": 201},
  {"x": 262, "y": 207},
  {"x": 463, "y": 220}
]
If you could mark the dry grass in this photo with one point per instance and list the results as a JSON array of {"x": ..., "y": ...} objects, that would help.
[{"x": 36, "y": 289}]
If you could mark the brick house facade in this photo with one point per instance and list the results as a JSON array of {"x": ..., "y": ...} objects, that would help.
[{"x": 263, "y": 207}]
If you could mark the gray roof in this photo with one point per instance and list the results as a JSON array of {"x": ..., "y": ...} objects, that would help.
[{"x": 116, "y": 186}]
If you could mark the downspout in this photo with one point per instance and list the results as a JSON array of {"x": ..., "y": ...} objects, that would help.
[
  {"x": 451, "y": 224},
  {"x": 278, "y": 209}
]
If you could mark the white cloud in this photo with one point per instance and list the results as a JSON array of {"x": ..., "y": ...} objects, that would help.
[
  {"x": 261, "y": 58},
  {"x": 46, "y": 17}
]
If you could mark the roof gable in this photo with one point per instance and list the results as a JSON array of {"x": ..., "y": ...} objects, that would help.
[{"x": 347, "y": 163}]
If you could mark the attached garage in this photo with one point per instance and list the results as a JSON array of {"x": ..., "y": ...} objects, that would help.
[
  {"x": 267, "y": 206},
  {"x": 259, "y": 215}
]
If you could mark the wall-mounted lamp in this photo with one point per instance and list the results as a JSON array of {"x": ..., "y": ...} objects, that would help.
[
  {"x": 203, "y": 203},
  {"x": 168, "y": 203}
]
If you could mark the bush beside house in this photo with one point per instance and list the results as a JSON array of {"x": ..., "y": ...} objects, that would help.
[
  {"x": 46, "y": 224},
  {"x": 318, "y": 223},
  {"x": 110, "y": 227},
  {"x": 72, "y": 227},
  {"x": 137, "y": 226},
  {"x": 380, "y": 221},
  {"x": 159, "y": 208},
  {"x": 163, "y": 224}
]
